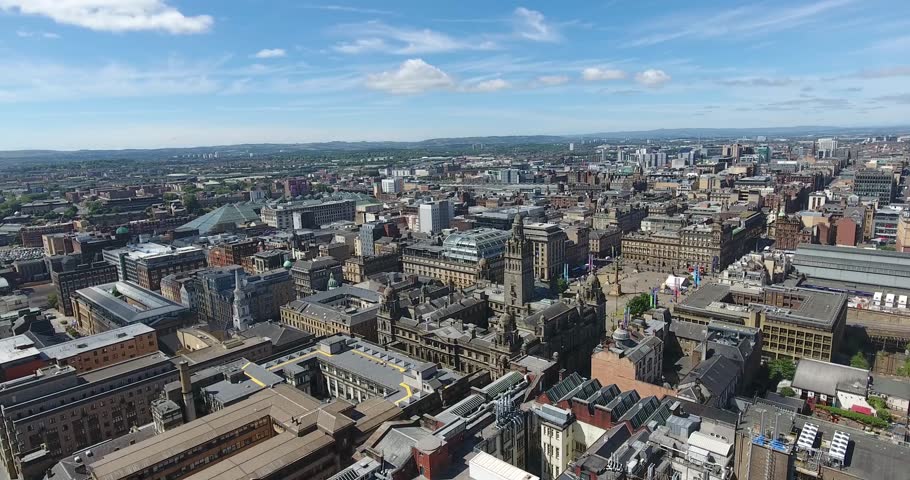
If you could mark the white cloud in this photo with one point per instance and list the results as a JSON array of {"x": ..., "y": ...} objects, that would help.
[
  {"x": 362, "y": 45},
  {"x": 376, "y": 36},
  {"x": 552, "y": 80},
  {"x": 31, "y": 34},
  {"x": 113, "y": 15},
  {"x": 594, "y": 74},
  {"x": 532, "y": 25},
  {"x": 487, "y": 86},
  {"x": 271, "y": 53},
  {"x": 652, "y": 78},
  {"x": 736, "y": 22},
  {"x": 412, "y": 76}
]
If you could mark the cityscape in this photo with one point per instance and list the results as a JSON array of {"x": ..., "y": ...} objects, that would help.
[{"x": 397, "y": 241}]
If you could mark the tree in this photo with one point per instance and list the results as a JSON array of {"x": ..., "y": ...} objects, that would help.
[
  {"x": 781, "y": 369},
  {"x": 639, "y": 304},
  {"x": 562, "y": 285},
  {"x": 52, "y": 300},
  {"x": 859, "y": 361},
  {"x": 191, "y": 202},
  {"x": 904, "y": 370},
  {"x": 787, "y": 392}
]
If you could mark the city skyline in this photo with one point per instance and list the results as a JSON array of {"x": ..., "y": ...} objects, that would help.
[{"x": 169, "y": 73}]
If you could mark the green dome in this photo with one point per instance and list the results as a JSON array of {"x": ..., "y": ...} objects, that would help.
[
  {"x": 288, "y": 264},
  {"x": 122, "y": 230}
]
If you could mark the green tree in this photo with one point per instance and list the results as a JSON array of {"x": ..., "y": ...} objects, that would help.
[
  {"x": 859, "y": 361},
  {"x": 52, "y": 300},
  {"x": 781, "y": 369},
  {"x": 787, "y": 392},
  {"x": 639, "y": 304},
  {"x": 562, "y": 285},
  {"x": 168, "y": 196},
  {"x": 191, "y": 202}
]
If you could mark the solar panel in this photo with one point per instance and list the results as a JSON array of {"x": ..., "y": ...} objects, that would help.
[{"x": 807, "y": 436}]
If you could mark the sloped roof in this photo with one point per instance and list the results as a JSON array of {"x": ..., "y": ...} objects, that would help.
[{"x": 230, "y": 215}]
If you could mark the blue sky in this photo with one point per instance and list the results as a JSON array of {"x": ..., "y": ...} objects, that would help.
[{"x": 156, "y": 73}]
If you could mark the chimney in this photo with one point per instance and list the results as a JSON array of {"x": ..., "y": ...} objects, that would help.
[
  {"x": 186, "y": 388},
  {"x": 562, "y": 374}
]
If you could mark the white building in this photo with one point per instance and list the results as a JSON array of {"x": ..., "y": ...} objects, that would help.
[
  {"x": 392, "y": 185},
  {"x": 435, "y": 216}
]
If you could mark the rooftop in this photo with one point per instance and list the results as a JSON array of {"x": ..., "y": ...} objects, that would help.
[
  {"x": 92, "y": 342},
  {"x": 143, "y": 304},
  {"x": 17, "y": 348}
]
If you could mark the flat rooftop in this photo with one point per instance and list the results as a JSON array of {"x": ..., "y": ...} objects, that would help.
[
  {"x": 100, "y": 340},
  {"x": 17, "y": 348}
]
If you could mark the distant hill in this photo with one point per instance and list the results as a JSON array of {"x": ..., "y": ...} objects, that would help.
[{"x": 243, "y": 150}]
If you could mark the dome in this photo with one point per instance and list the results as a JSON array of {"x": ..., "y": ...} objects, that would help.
[
  {"x": 333, "y": 284},
  {"x": 122, "y": 230},
  {"x": 288, "y": 264}
]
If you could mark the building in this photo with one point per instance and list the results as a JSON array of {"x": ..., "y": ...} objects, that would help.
[
  {"x": 392, "y": 186},
  {"x": 307, "y": 214},
  {"x": 70, "y": 273},
  {"x": 358, "y": 269},
  {"x": 605, "y": 243},
  {"x": 548, "y": 244},
  {"x": 31, "y": 236},
  {"x": 626, "y": 217},
  {"x": 104, "y": 349},
  {"x": 314, "y": 275},
  {"x": 831, "y": 384},
  {"x": 55, "y": 412},
  {"x": 345, "y": 310},
  {"x": 848, "y": 232},
  {"x": 277, "y": 433},
  {"x": 631, "y": 364},
  {"x": 370, "y": 232},
  {"x": 875, "y": 184},
  {"x": 295, "y": 187},
  {"x": 266, "y": 261},
  {"x": 147, "y": 263},
  {"x": 795, "y": 322},
  {"x": 119, "y": 304},
  {"x": 518, "y": 271},
  {"x": 19, "y": 358},
  {"x": 433, "y": 217},
  {"x": 712, "y": 246},
  {"x": 232, "y": 252},
  {"x": 344, "y": 368},
  {"x": 436, "y": 261},
  {"x": 902, "y": 236},
  {"x": 57, "y": 244},
  {"x": 210, "y": 293},
  {"x": 865, "y": 270},
  {"x": 885, "y": 223},
  {"x": 224, "y": 219}
]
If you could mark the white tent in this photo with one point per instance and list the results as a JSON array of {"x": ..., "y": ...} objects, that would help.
[{"x": 673, "y": 282}]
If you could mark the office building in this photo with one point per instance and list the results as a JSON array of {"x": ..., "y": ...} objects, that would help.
[
  {"x": 307, "y": 214},
  {"x": 119, "y": 304},
  {"x": 344, "y": 310},
  {"x": 104, "y": 349},
  {"x": 860, "y": 269},
  {"x": 70, "y": 273},
  {"x": 31, "y": 236},
  {"x": 279, "y": 433},
  {"x": 447, "y": 263},
  {"x": 55, "y": 412},
  {"x": 359, "y": 269},
  {"x": 548, "y": 244},
  {"x": 795, "y": 322},
  {"x": 147, "y": 263},
  {"x": 232, "y": 252},
  {"x": 392, "y": 186},
  {"x": 433, "y": 217},
  {"x": 875, "y": 184},
  {"x": 314, "y": 275}
]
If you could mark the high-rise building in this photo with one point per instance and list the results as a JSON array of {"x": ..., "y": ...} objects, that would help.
[
  {"x": 70, "y": 273},
  {"x": 826, "y": 147},
  {"x": 433, "y": 217},
  {"x": 392, "y": 185},
  {"x": 872, "y": 183},
  {"x": 307, "y": 214}
]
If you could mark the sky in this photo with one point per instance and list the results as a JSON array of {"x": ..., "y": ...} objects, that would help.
[{"x": 100, "y": 74}]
